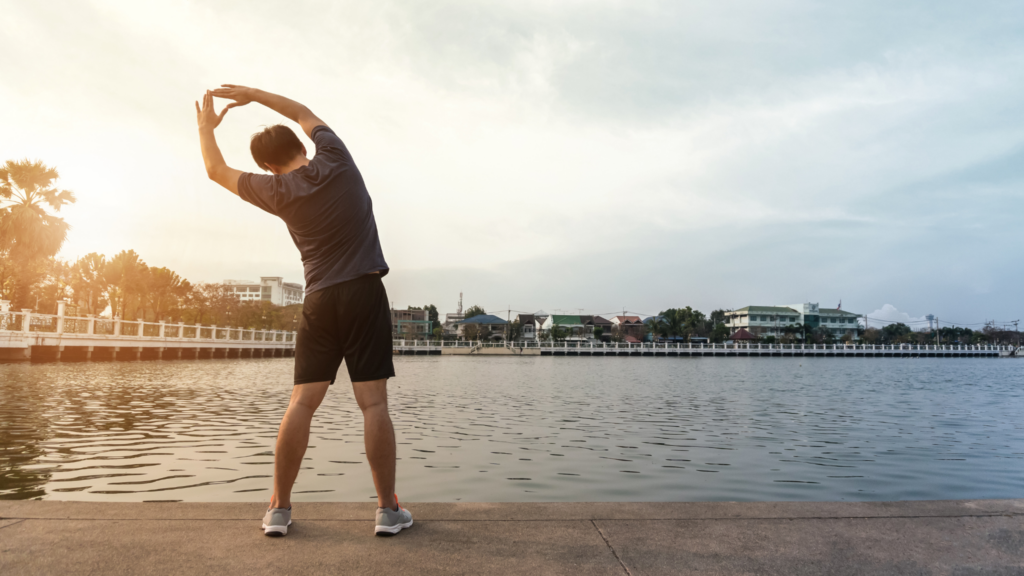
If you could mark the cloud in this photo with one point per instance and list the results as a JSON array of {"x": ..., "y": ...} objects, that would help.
[
  {"x": 561, "y": 155},
  {"x": 888, "y": 314}
]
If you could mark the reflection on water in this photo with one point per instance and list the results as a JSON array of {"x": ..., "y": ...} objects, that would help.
[{"x": 527, "y": 429}]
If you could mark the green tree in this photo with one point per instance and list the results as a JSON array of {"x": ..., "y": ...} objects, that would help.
[
  {"x": 897, "y": 333},
  {"x": 515, "y": 331},
  {"x": 433, "y": 316},
  {"x": 655, "y": 326},
  {"x": 719, "y": 333},
  {"x": 474, "y": 311},
  {"x": 598, "y": 332},
  {"x": 30, "y": 230}
]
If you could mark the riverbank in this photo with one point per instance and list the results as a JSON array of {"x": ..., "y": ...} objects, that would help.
[{"x": 919, "y": 537}]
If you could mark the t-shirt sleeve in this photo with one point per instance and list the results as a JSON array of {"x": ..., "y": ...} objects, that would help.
[
  {"x": 258, "y": 190},
  {"x": 328, "y": 144}
]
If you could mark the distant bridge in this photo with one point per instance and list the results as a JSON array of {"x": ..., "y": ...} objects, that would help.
[{"x": 27, "y": 335}]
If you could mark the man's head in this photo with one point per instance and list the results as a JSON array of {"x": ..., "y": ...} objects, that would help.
[{"x": 277, "y": 149}]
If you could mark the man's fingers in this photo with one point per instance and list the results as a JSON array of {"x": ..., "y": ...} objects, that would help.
[
  {"x": 222, "y": 113},
  {"x": 197, "y": 107}
]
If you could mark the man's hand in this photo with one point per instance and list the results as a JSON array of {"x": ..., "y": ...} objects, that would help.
[
  {"x": 206, "y": 117},
  {"x": 290, "y": 109},
  {"x": 240, "y": 94}
]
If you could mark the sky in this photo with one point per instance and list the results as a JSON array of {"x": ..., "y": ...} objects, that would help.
[{"x": 566, "y": 156}]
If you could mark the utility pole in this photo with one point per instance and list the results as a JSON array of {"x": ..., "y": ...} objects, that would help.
[{"x": 938, "y": 335}]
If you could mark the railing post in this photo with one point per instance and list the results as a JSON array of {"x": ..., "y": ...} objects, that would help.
[
  {"x": 91, "y": 328},
  {"x": 199, "y": 330},
  {"x": 162, "y": 326},
  {"x": 61, "y": 306},
  {"x": 117, "y": 325},
  {"x": 181, "y": 329},
  {"x": 26, "y": 320},
  {"x": 142, "y": 329}
]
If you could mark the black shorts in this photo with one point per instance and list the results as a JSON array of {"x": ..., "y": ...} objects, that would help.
[{"x": 350, "y": 321}]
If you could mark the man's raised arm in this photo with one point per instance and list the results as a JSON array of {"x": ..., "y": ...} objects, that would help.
[
  {"x": 288, "y": 108},
  {"x": 216, "y": 168}
]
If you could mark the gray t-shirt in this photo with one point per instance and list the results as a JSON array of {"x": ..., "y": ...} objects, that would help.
[{"x": 328, "y": 212}]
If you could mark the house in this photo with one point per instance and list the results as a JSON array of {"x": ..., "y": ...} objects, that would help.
[
  {"x": 482, "y": 327},
  {"x": 570, "y": 326},
  {"x": 592, "y": 323},
  {"x": 451, "y": 321},
  {"x": 410, "y": 324},
  {"x": 628, "y": 327},
  {"x": 528, "y": 324},
  {"x": 774, "y": 320}
]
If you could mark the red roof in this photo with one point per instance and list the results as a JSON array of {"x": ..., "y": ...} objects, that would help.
[
  {"x": 742, "y": 334},
  {"x": 631, "y": 340}
]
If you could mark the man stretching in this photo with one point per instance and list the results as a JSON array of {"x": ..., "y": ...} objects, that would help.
[{"x": 345, "y": 315}]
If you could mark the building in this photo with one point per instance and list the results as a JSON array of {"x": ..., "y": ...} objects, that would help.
[
  {"x": 410, "y": 324},
  {"x": 451, "y": 323},
  {"x": 631, "y": 327},
  {"x": 592, "y": 323},
  {"x": 487, "y": 326},
  {"x": 270, "y": 288},
  {"x": 571, "y": 326},
  {"x": 774, "y": 320},
  {"x": 528, "y": 324}
]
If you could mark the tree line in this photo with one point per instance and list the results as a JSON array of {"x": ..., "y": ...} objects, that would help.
[{"x": 32, "y": 277}]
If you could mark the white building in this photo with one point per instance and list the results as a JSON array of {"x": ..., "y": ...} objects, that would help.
[
  {"x": 774, "y": 320},
  {"x": 271, "y": 288}
]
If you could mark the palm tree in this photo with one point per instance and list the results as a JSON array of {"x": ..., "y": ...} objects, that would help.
[
  {"x": 162, "y": 288},
  {"x": 125, "y": 275},
  {"x": 89, "y": 283},
  {"x": 30, "y": 231},
  {"x": 654, "y": 326}
]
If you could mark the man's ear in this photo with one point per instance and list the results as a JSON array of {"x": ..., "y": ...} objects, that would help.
[
  {"x": 274, "y": 169},
  {"x": 303, "y": 150}
]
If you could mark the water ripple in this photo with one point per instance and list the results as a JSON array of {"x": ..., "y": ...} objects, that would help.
[{"x": 784, "y": 429}]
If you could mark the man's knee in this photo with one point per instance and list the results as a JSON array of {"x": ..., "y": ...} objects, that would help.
[
  {"x": 371, "y": 396},
  {"x": 307, "y": 397}
]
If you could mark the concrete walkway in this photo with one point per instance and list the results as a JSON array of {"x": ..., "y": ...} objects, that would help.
[{"x": 877, "y": 538}]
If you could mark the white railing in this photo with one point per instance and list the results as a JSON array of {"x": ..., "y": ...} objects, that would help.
[
  {"x": 31, "y": 323},
  {"x": 656, "y": 347}
]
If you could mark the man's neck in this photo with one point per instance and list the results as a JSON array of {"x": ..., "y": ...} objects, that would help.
[{"x": 295, "y": 164}]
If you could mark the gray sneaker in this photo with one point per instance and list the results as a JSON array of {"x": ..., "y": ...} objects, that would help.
[
  {"x": 277, "y": 521},
  {"x": 391, "y": 522}
]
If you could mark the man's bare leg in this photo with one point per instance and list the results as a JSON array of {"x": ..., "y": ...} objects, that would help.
[
  {"x": 379, "y": 435},
  {"x": 292, "y": 439}
]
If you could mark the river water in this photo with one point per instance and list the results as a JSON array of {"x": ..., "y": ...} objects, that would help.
[{"x": 527, "y": 429}]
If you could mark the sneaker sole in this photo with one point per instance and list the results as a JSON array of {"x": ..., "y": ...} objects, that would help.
[
  {"x": 276, "y": 530},
  {"x": 391, "y": 530}
]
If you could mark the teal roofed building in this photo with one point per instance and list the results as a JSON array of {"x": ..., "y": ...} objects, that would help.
[{"x": 779, "y": 321}]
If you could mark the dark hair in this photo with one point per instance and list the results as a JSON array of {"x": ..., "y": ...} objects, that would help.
[{"x": 277, "y": 145}]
